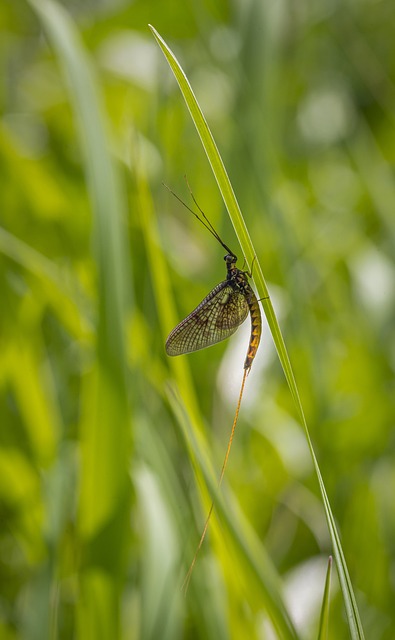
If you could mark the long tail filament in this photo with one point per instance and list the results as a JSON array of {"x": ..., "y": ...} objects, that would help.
[{"x": 187, "y": 578}]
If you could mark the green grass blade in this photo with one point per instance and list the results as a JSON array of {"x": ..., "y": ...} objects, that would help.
[
  {"x": 249, "y": 254},
  {"x": 324, "y": 617},
  {"x": 105, "y": 441},
  {"x": 250, "y": 551}
]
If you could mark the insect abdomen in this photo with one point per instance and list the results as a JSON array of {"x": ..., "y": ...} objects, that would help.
[{"x": 256, "y": 329}]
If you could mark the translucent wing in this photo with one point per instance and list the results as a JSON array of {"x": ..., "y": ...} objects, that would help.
[{"x": 215, "y": 319}]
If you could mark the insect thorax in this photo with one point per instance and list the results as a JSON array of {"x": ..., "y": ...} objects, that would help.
[{"x": 238, "y": 280}]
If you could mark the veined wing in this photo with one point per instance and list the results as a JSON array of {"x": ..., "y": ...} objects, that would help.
[{"x": 213, "y": 320}]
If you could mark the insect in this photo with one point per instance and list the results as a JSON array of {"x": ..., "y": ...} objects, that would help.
[
  {"x": 221, "y": 312},
  {"x": 216, "y": 318}
]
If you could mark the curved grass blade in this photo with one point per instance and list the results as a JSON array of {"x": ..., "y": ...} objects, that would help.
[
  {"x": 240, "y": 228},
  {"x": 250, "y": 551}
]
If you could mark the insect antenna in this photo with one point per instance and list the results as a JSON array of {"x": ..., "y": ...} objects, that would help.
[
  {"x": 214, "y": 232},
  {"x": 204, "y": 221}
]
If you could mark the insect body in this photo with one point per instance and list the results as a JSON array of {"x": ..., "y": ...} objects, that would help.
[{"x": 218, "y": 316}]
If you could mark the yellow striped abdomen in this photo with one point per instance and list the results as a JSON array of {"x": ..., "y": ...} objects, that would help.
[{"x": 256, "y": 328}]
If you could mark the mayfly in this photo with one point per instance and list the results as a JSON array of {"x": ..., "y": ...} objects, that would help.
[{"x": 216, "y": 318}]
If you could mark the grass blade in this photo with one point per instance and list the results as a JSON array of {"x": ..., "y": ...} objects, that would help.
[
  {"x": 105, "y": 441},
  {"x": 249, "y": 254},
  {"x": 244, "y": 539},
  {"x": 324, "y": 617}
]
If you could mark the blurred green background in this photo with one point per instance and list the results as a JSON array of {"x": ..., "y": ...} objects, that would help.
[{"x": 100, "y": 505}]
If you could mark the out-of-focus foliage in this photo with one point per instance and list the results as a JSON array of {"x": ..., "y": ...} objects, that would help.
[{"x": 301, "y": 99}]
